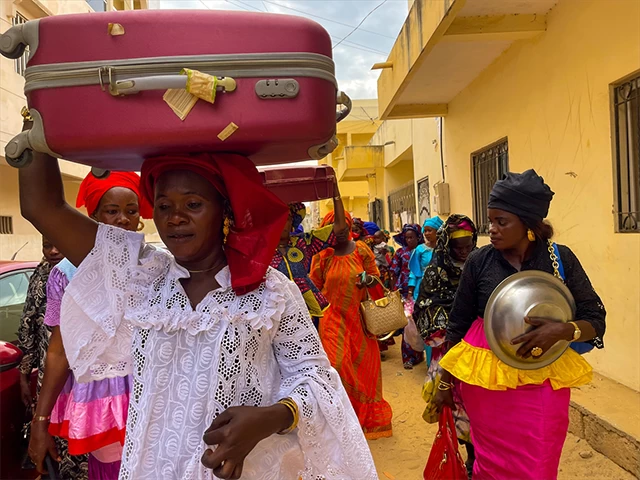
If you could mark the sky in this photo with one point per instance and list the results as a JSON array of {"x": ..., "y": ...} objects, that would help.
[{"x": 354, "y": 56}]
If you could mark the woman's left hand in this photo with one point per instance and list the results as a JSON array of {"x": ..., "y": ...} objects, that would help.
[
  {"x": 545, "y": 334},
  {"x": 236, "y": 431},
  {"x": 368, "y": 280}
]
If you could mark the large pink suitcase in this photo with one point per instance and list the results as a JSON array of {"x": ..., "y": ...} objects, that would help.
[{"x": 95, "y": 84}]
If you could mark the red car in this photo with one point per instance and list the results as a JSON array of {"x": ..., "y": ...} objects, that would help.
[{"x": 14, "y": 282}]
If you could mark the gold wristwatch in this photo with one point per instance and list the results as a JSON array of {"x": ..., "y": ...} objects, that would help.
[{"x": 577, "y": 333}]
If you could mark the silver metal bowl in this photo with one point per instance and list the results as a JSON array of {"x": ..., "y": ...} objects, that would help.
[{"x": 531, "y": 293}]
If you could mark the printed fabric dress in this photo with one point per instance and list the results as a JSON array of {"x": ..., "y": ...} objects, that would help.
[
  {"x": 33, "y": 339},
  {"x": 296, "y": 264},
  {"x": 189, "y": 364},
  {"x": 91, "y": 416},
  {"x": 351, "y": 350}
]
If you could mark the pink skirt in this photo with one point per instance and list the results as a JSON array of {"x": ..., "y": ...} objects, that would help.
[
  {"x": 517, "y": 433},
  {"x": 91, "y": 416}
]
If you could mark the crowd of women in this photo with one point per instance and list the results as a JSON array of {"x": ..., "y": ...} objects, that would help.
[{"x": 240, "y": 352}]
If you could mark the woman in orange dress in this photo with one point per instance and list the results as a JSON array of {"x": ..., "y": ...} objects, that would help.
[{"x": 338, "y": 273}]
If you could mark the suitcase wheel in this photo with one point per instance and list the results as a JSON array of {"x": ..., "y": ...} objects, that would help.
[
  {"x": 100, "y": 172},
  {"x": 22, "y": 160},
  {"x": 17, "y": 53},
  {"x": 12, "y": 42}
]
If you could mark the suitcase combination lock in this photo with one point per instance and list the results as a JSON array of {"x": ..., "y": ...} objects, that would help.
[{"x": 277, "y": 88}]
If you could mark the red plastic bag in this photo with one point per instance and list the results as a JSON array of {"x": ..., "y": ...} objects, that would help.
[{"x": 445, "y": 462}]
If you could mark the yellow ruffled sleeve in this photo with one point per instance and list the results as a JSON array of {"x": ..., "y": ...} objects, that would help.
[{"x": 481, "y": 367}]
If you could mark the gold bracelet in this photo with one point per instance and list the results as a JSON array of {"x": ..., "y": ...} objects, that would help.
[
  {"x": 293, "y": 407},
  {"x": 444, "y": 386},
  {"x": 41, "y": 418}
]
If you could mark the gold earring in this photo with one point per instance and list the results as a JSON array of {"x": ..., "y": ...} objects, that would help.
[
  {"x": 226, "y": 228},
  {"x": 140, "y": 226},
  {"x": 531, "y": 236}
]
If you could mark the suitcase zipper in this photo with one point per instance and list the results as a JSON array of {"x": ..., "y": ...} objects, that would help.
[{"x": 238, "y": 66}]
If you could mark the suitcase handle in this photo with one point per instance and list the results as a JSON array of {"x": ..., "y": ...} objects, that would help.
[
  {"x": 130, "y": 86},
  {"x": 344, "y": 100}
]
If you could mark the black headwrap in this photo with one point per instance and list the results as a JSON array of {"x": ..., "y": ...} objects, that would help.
[{"x": 523, "y": 194}]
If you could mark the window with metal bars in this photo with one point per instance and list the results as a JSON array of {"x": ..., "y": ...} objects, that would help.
[
  {"x": 6, "y": 225},
  {"x": 626, "y": 146},
  {"x": 488, "y": 166},
  {"x": 402, "y": 206},
  {"x": 21, "y": 63}
]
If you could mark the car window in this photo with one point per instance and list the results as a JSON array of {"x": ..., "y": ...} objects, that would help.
[{"x": 13, "y": 293}]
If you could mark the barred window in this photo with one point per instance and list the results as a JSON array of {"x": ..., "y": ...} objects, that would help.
[
  {"x": 21, "y": 63},
  {"x": 488, "y": 166},
  {"x": 6, "y": 225},
  {"x": 626, "y": 146}
]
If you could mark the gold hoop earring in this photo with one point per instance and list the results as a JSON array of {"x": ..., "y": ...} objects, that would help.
[
  {"x": 226, "y": 228},
  {"x": 140, "y": 226},
  {"x": 531, "y": 236}
]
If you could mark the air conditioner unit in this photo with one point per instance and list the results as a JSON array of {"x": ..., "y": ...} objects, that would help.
[{"x": 441, "y": 199}]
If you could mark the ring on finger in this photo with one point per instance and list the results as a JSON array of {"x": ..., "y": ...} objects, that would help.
[{"x": 536, "y": 351}]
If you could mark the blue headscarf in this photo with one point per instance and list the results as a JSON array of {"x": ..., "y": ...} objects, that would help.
[
  {"x": 409, "y": 227},
  {"x": 434, "y": 222},
  {"x": 371, "y": 227}
]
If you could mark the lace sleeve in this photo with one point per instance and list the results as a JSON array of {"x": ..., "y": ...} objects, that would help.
[
  {"x": 329, "y": 432},
  {"x": 96, "y": 338}
]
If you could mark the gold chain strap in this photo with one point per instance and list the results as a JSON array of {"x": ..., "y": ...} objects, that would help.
[{"x": 554, "y": 261}]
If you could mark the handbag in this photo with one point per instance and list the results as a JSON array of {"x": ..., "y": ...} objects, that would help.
[
  {"x": 579, "y": 347},
  {"x": 384, "y": 315},
  {"x": 445, "y": 462}
]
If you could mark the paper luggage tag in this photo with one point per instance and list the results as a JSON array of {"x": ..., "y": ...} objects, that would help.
[{"x": 180, "y": 101}]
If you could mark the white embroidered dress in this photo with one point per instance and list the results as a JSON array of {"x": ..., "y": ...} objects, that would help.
[{"x": 126, "y": 312}]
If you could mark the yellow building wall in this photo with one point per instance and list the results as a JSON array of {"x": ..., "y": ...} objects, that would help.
[
  {"x": 354, "y": 131},
  {"x": 427, "y": 161},
  {"x": 550, "y": 97}
]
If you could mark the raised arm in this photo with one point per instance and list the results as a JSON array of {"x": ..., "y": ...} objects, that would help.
[
  {"x": 339, "y": 222},
  {"x": 43, "y": 204}
]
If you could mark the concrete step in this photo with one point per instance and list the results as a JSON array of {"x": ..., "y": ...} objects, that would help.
[{"x": 607, "y": 415}]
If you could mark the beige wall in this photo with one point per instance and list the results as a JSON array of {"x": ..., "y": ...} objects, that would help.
[
  {"x": 23, "y": 230},
  {"x": 550, "y": 97}
]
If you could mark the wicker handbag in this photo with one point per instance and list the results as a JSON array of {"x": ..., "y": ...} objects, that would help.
[{"x": 385, "y": 315}]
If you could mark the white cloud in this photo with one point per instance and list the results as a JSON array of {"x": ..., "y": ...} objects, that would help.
[{"x": 355, "y": 56}]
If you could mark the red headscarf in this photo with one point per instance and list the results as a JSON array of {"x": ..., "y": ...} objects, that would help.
[
  {"x": 92, "y": 190},
  {"x": 258, "y": 215}
]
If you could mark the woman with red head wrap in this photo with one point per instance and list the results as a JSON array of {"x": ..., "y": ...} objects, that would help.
[
  {"x": 116, "y": 201},
  {"x": 221, "y": 347},
  {"x": 355, "y": 354}
]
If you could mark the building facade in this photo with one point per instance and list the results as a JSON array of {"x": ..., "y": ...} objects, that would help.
[{"x": 547, "y": 84}]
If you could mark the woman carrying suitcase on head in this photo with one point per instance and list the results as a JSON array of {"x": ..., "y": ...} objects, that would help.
[{"x": 223, "y": 353}]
